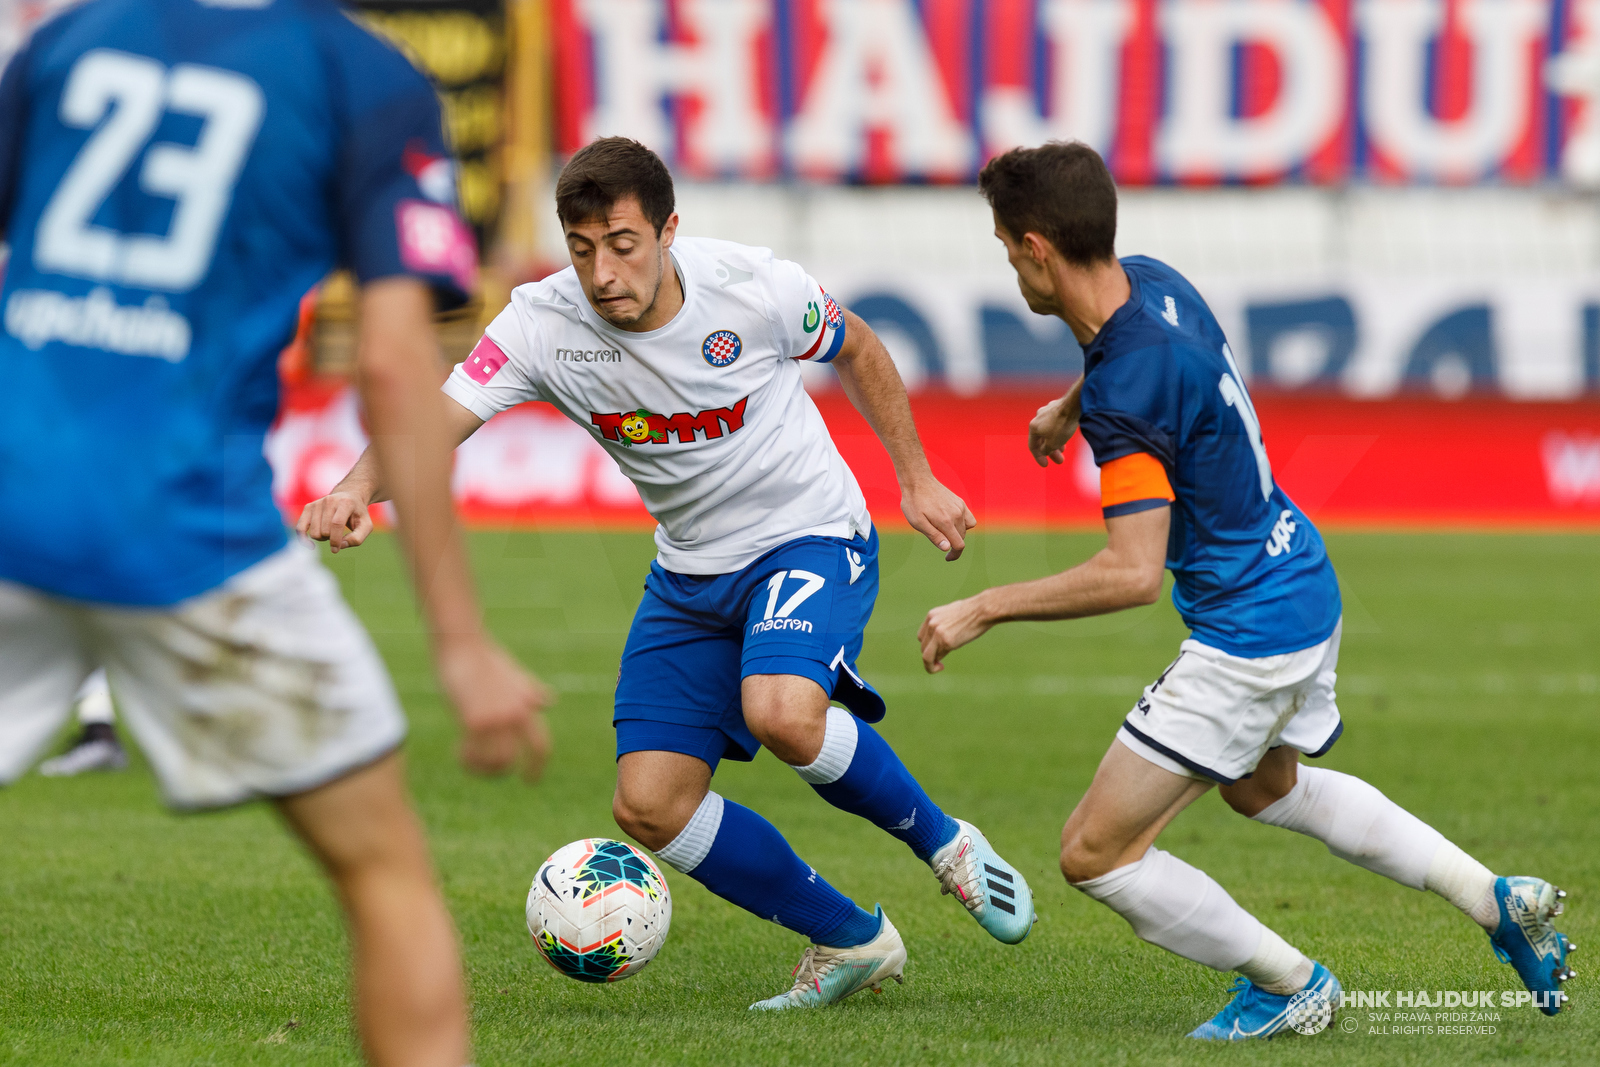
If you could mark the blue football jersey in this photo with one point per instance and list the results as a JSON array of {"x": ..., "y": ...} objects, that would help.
[
  {"x": 1251, "y": 574},
  {"x": 174, "y": 176}
]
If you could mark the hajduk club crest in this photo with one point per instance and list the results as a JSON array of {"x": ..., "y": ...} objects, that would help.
[{"x": 721, "y": 348}]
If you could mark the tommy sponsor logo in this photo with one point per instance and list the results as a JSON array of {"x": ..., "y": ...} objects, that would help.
[
  {"x": 1282, "y": 532},
  {"x": 646, "y": 427},
  {"x": 777, "y": 617},
  {"x": 588, "y": 355}
]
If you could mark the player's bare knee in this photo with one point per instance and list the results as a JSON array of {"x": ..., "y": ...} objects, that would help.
[
  {"x": 653, "y": 821},
  {"x": 1082, "y": 860},
  {"x": 791, "y": 730},
  {"x": 1273, "y": 779}
]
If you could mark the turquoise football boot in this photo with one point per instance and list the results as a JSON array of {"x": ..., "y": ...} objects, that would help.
[
  {"x": 1528, "y": 940},
  {"x": 994, "y": 892},
  {"x": 1253, "y": 1012},
  {"x": 827, "y": 975}
]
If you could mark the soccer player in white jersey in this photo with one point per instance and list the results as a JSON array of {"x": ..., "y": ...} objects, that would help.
[
  {"x": 1186, "y": 485},
  {"x": 681, "y": 356}
]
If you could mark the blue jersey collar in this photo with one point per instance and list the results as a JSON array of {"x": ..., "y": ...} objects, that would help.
[{"x": 1094, "y": 351}]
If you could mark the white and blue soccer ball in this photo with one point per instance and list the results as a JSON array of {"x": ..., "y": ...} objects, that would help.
[{"x": 599, "y": 910}]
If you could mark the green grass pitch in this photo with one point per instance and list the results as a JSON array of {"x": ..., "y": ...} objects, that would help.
[{"x": 1470, "y": 683}]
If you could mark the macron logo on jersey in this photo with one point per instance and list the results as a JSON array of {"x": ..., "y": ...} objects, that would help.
[
  {"x": 643, "y": 427},
  {"x": 485, "y": 361}
]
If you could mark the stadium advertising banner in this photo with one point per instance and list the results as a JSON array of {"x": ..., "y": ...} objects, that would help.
[
  {"x": 1407, "y": 462},
  {"x": 1366, "y": 337},
  {"x": 1170, "y": 91},
  {"x": 462, "y": 46}
]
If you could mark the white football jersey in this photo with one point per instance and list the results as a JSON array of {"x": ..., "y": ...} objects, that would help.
[{"x": 706, "y": 415}]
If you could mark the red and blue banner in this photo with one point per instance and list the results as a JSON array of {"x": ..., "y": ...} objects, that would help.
[
  {"x": 1170, "y": 91},
  {"x": 1400, "y": 463}
]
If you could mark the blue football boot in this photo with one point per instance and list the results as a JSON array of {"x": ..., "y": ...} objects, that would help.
[
  {"x": 994, "y": 892},
  {"x": 1528, "y": 940},
  {"x": 1253, "y": 1012}
]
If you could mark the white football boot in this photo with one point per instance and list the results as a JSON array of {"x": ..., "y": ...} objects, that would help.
[
  {"x": 827, "y": 975},
  {"x": 991, "y": 889}
]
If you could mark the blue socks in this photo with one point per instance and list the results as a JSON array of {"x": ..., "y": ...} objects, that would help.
[
  {"x": 743, "y": 859},
  {"x": 858, "y": 772}
]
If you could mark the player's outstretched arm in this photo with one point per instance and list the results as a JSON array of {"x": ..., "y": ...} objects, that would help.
[
  {"x": 1053, "y": 426},
  {"x": 1127, "y": 573},
  {"x": 500, "y": 705},
  {"x": 342, "y": 518},
  {"x": 873, "y": 385}
]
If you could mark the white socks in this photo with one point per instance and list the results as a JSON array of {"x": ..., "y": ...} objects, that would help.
[
  {"x": 1466, "y": 883},
  {"x": 94, "y": 700},
  {"x": 1361, "y": 825},
  {"x": 1180, "y": 908},
  {"x": 1277, "y": 966},
  {"x": 685, "y": 851},
  {"x": 838, "y": 749}
]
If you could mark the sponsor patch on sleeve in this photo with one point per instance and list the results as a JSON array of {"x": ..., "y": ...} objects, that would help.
[
  {"x": 485, "y": 361},
  {"x": 434, "y": 240},
  {"x": 823, "y": 326}
]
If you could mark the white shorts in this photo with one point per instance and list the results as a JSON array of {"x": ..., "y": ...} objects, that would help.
[
  {"x": 266, "y": 686},
  {"x": 1213, "y": 716}
]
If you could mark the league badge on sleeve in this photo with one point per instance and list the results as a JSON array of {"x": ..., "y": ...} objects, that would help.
[
  {"x": 830, "y": 338},
  {"x": 721, "y": 348}
]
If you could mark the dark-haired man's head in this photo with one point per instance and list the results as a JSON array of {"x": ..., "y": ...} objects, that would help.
[
  {"x": 1058, "y": 198},
  {"x": 615, "y": 202}
]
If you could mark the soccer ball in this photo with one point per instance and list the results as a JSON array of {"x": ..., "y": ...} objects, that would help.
[{"x": 599, "y": 910}]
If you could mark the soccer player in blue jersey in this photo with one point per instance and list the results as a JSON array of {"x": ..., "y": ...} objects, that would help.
[
  {"x": 174, "y": 175},
  {"x": 1186, "y": 486}
]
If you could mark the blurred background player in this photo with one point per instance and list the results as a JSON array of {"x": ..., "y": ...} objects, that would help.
[
  {"x": 174, "y": 176},
  {"x": 767, "y": 570},
  {"x": 1186, "y": 485},
  {"x": 96, "y": 746}
]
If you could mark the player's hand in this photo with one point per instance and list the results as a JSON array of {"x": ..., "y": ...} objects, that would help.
[
  {"x": 939, "y": 515},
  {"x": 501, "y": 706},
  {"x": 1051, "y": 429},
  {"x": 949, "y": 627},
  {"x": 341, "y": 518}
]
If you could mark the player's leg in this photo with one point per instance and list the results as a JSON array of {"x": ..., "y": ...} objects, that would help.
[
  {"x": 268, "y": 687},
  {"x": 409, "y": 996},
  {"x": 677, "y": 717},
  {"x": 1360, "y": 824},
  {"x": 844, "y": 759},
  {"x": 96, "y": 747},
  {"x": 806, "y": 610},
  {"x": 1108, "y": 852},
  {"x": 1208, "y": 718},
  {"x": 664, "y": 801},
  {"x": 42, "y": 663}
]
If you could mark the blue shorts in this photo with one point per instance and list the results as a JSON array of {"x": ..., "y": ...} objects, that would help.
[{"x": 800, "y": 609}]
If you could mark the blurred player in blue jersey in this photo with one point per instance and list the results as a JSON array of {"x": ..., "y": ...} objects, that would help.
[
  {"x": 174, "y": 176},
  {"x": 1186, "y": 486}
]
